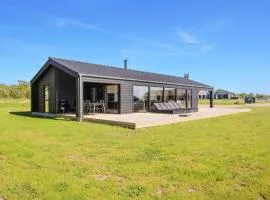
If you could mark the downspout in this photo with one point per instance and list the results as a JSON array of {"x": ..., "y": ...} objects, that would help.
[{"x": 79, "y": 99}]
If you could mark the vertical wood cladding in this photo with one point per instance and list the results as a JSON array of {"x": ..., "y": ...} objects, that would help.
[
  {"x": 34, "y": 98},
  {"x": 47, "y": 79},
  {"x": 65, "y": 86}
]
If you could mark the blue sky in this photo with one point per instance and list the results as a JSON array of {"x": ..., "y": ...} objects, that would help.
[{"x": 225, "y": 44}]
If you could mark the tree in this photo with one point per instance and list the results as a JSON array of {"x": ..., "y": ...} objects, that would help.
[
  {"x": 24, "y": 88},
  {"x": 4, "y": 94},
  {"x": 18, "y": 91},
  {"x": 220, "y": 91}
]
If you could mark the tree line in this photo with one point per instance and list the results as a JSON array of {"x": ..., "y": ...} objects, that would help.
[
  {"x": 21, "y": 90},
  {"x": 243, "y": 95}
]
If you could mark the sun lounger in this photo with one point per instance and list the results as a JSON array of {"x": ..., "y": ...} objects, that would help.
[{"x": 171, "y": 108}]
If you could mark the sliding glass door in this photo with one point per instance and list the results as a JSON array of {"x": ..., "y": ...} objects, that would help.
[
  {"x": 169, "y": 94},
  {"x": 181, "y": 97},
  {"x": 156, "y": 96},
  {"x": 140, "y": 98}
]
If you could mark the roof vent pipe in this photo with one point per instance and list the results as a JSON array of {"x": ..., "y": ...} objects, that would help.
[
  {"x": 125, "y": 63},
  {"x": 186, "y": 76}
]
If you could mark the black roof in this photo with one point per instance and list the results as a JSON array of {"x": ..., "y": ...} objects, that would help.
[{"x": 103, "y": 71}]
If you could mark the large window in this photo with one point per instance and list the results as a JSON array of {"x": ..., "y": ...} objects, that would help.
[
  {"x": 156, "y": 95},
  {"x": 140, "y": 98},
  {"x": 181, "y": 97},
  {"x": 169, "y": 94},
  {"x": 112, "y": 99},
  {"x": 189, "y": 98}
]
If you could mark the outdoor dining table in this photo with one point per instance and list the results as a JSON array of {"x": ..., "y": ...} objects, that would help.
[{"x": 97, "y": 104}]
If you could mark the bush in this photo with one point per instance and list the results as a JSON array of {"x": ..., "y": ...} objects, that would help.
[{"x": 19, "y": 91}]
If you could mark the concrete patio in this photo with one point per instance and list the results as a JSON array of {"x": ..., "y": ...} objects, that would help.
[{"x": 141, "y": 120}]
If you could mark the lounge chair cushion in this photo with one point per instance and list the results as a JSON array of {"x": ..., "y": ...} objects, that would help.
[
  {"x": 157, "y": 106},
  {"x": 168, "y": 105}
]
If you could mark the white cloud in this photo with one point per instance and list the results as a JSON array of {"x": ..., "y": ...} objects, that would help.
[
  {"x": 157, "y": 47},
  {"x": 203, "y": 46},
  {"x": 167, "y": 48},
  {"x": 187, "y": 38},
  {"x": 64, "y": 22}
]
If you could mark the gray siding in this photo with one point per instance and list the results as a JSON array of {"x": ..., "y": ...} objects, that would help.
[
  {"x": 61, "y": 86},
  {"x": 126, "y": 98},
  {"x": 65, "y": 86},
  {"x": 47, "y": 79}
]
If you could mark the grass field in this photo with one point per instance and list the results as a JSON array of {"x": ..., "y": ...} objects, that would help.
[
  {"x": 219, "y": 158},
  {"x": 223, "y": 102}
]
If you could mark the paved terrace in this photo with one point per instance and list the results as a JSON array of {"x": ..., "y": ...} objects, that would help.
[{"x": 142, "y": 120}]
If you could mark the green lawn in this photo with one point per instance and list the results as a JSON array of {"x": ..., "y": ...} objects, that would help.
[
  {"x": 219, "y": 158},
  {"x": 222, "y": 101}
]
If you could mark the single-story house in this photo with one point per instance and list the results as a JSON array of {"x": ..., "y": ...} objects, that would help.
[
  {"x": 122, "y": 90},
  {"x": 203, "y": 94},
  {"x": 219, "y": 94},
  {"x": 223, "y": 94}
]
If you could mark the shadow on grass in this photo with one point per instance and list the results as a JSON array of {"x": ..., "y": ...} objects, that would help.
[{"x": 29, "y": 114}]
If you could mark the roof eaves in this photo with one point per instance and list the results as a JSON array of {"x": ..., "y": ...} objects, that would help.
[
  {"x": 140, "y": 80},
  {"x": 64, "y": 68},
  {"x": 43, "y": 68},
  {"x": 55, "y": 64}
]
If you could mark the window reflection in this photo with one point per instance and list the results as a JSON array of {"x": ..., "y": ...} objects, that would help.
[
  {"x": 169, "y": 94},
  {"x": 156, "y": 95},
  {"x": 181, "y": 97},
  {"x": 140, "y": 98},
  {"x": 112, "y": 99}
]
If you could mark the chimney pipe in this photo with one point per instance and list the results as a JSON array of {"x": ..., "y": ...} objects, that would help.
[
  {"x": 125, "y": 63},
  {"x": 186, "y": 76}
]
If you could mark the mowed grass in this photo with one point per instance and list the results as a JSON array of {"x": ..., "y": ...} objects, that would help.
[
  {"x": 219, "y": 158},
  {"x": 223, "y": 102}
]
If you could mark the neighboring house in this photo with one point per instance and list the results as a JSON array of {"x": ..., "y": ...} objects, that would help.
[
  {"x": 219, "y": 94},
  {"x": 204, "y": 94},
  {"x": 223, "y": 94},
  {"x": 123, "y": 90}
]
